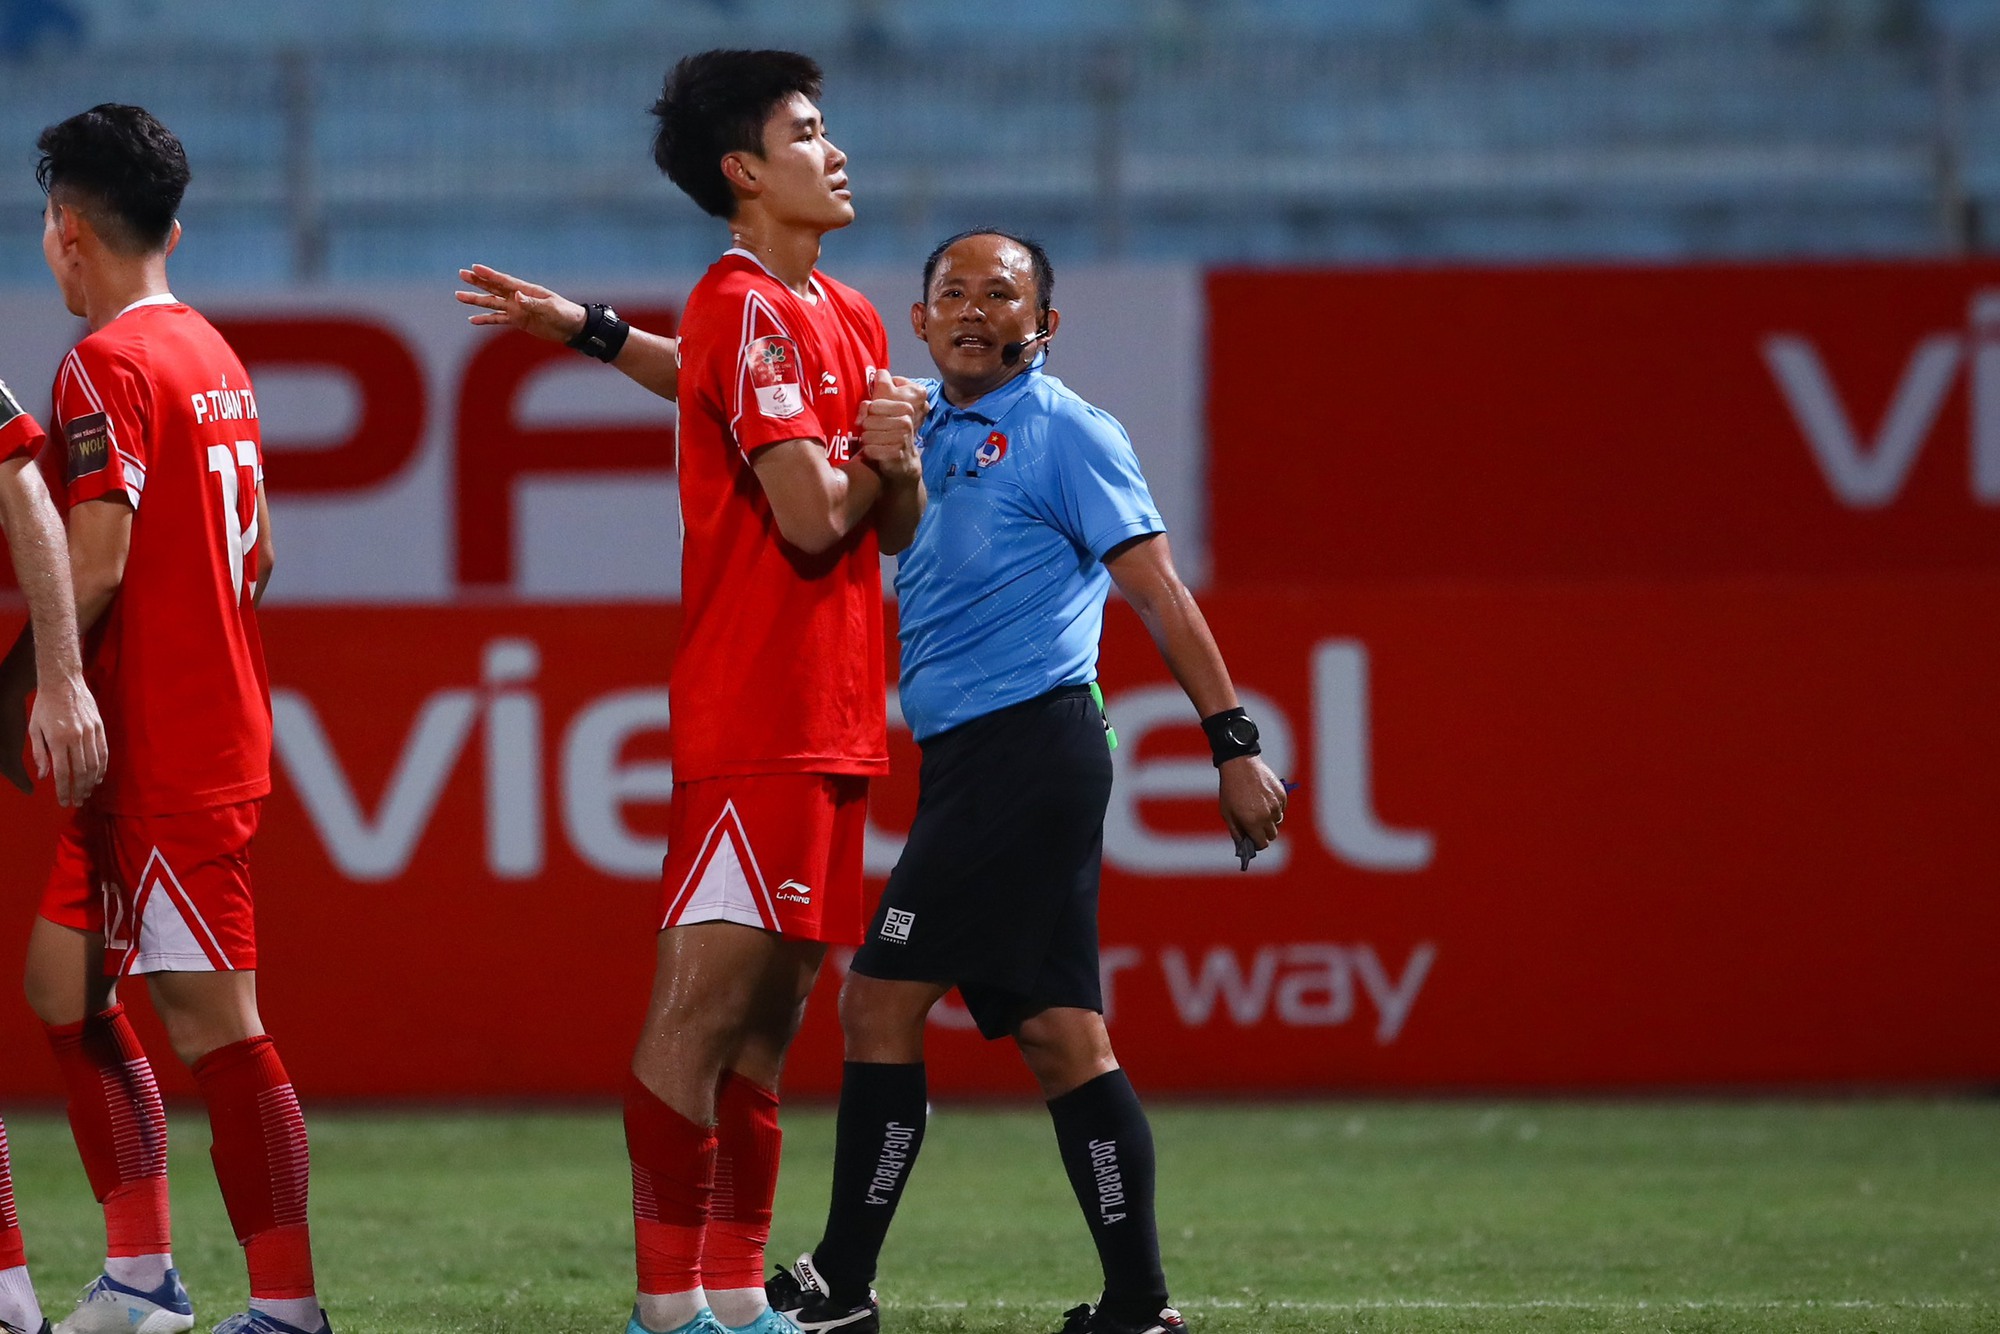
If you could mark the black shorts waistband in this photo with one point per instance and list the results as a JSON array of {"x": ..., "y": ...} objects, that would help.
[{"x": 1007, "y": 711}]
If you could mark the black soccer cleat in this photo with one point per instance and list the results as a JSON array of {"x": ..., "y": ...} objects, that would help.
[
  {"x": 801, "y": 1295},
  {"x": 1086, "y": 1319}
]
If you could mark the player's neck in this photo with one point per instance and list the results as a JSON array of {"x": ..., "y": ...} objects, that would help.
[
  {"x": 109, "y": 289},
  {"x": 790, "y": 252}
]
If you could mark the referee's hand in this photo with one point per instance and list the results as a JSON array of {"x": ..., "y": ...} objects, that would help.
[
  {"x": 1253, "y": 800},
  {"x": 889, "y": 422}
]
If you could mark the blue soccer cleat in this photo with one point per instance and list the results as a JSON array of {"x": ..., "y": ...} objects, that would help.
[
  {"x": 703, "y": 1323},
  {"x": 109, "y": 1307},
  {"x": 263, "y": 1322}
]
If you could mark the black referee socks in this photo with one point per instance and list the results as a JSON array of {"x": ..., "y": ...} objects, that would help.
[
  {"x": 876, "y": 1138},
  {"x": 1107, "y": 1149}
]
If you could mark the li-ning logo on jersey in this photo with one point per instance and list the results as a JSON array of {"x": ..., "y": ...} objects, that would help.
[
  {"x": 10, "y": 407},
  {"x": 992, "y": 451},
  {"x": 772, "y": 363},
  {"x": 89, "y": 441},
  {"x": 896, "y": 925}
]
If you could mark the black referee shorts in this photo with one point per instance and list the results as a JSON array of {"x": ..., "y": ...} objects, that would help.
[{"x": 996, "y": 890}]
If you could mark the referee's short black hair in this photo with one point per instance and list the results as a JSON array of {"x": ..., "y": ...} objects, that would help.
[
  {"x": 122, "y": 168},
  {"x": 716, "y": 103},
  {"x": 1045, "y": 272}
]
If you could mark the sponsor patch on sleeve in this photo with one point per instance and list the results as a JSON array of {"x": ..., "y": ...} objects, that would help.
[
  {"x": 776, "y": 377},
  {"x": 89, "y": 442}
]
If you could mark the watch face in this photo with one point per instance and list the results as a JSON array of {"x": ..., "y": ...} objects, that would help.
[{"x": 1242, "y": 731}]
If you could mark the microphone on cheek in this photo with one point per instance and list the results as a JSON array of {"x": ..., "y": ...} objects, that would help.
[{"x": 1011, "y": 352}]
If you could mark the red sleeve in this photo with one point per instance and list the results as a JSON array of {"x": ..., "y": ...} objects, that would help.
[
  {"x": 19, "y": 433},
  {"x": 100, "y": 418},
  {"x": 769, "y": 400}
]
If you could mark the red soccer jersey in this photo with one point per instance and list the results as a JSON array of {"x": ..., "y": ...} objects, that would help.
[
  {"x": 780, "y": 662},
  {"x": 155, "y": 407}
]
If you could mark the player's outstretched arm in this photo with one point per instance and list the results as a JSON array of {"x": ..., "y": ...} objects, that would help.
[
  {"x": 1252, "y": 797},
  {"x": 651, "y": 360},
  {"x": 64, "y": 729},
  {"x": 889, "y": 422}
]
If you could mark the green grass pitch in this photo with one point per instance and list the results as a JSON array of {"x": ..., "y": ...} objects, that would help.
[{"x": 1847, "y": 1215}]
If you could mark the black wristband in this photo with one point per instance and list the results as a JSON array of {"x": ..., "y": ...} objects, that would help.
[
  {"x": 1231, "y": 736},
  {"x": 603, "y": 334}
]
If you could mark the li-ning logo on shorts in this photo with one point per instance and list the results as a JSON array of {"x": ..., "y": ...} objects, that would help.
[
  {"x": 794, "y": 892},
  {"x": 896, "y": 925}
]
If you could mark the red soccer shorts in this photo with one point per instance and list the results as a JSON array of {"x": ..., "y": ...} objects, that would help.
[
  {"x": 171, "y": 893},
  {"x": 777, "y": 851}
]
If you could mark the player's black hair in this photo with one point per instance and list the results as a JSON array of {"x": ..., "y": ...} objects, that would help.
[
  {"x": 716, "y": 103},
  {"x": 1045, "y": 272},
  {"x": 129, "y": 170}
]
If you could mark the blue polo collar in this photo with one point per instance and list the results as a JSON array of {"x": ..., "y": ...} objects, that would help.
[{"x": 991, "y": 407}]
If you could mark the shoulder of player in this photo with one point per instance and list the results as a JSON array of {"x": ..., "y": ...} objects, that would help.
[
  {"x": 716, "y": 310},
  {"x": 104, "y": 360},
  {"x": 841, "y": 292}
]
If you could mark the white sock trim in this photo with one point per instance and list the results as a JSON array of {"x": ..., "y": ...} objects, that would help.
[
  {"x": 144, "y": 1272},
  {"x": 666, "y": 1311},
  {"x": 298, "y": 1312},
  {"x": 737, "y": 1307},
  {"x": 18, "y": 1305}
]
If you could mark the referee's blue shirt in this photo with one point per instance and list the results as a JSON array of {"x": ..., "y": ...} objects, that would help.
[{"x": 1002, "y": 592}]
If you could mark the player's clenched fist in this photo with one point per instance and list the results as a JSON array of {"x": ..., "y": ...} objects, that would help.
[
  {"x": 505, "y": 299},
  {"x": 889, "y": 422}
]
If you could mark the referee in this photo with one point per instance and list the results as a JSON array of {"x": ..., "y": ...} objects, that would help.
[{"x": 1037, "y": 506}]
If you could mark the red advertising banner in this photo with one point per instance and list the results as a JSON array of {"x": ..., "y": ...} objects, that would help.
[
  {"x": 1585, "y": 836},
  {"x": 1604, "y": 422}
]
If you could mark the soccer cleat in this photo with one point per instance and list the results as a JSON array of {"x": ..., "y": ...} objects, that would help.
[
  {"x": 6, "y": 1328},
  {"x": 703, "y": 1323},
  {"x": 801, "y": 1295},
  {"x": 1086, "y": 1319},
  {"x": 109, "y": 1307},
  {"x": 263, "y": 1322}
]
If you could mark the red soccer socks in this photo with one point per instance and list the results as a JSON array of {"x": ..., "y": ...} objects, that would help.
[
  {"x": 120, "y": 1129},
  {"x": 262, "y": 1165},
  {"x": 746, "y": 1180},
  {"x": 673, "y": 1170}
]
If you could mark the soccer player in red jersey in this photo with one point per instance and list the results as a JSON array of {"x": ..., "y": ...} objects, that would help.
[
  {"x": 158, "y": 465},
  {"x": 797, "y": 470},
  {"x": 64, "y": 730}
]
